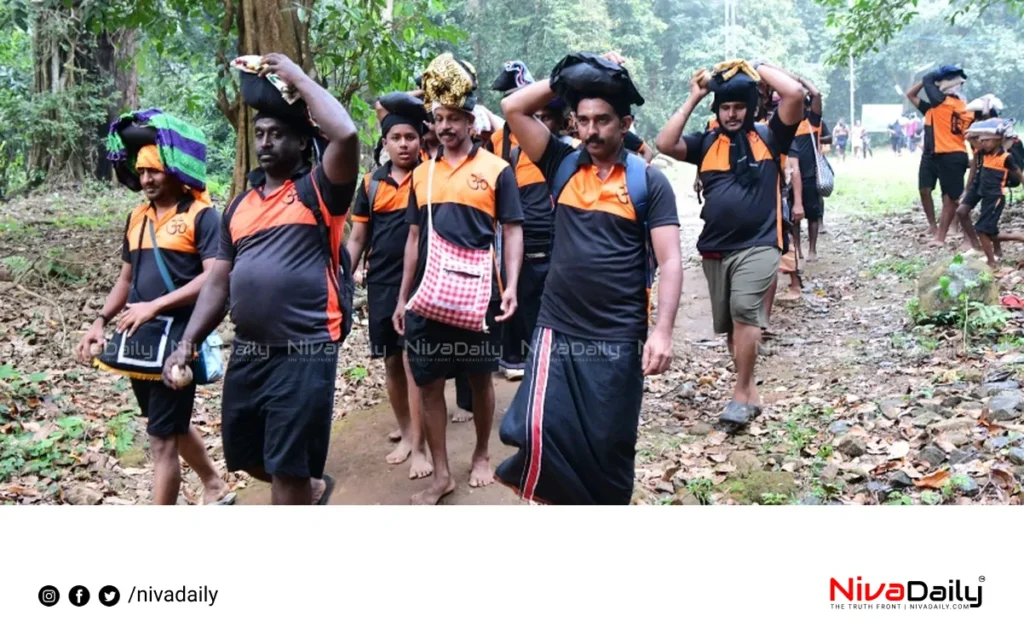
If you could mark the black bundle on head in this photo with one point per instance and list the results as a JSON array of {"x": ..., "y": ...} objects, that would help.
[
  {"x": 740, "y": 88},
  {"x": 587, "y": 76},
  {"x": 403, "y": 109}
]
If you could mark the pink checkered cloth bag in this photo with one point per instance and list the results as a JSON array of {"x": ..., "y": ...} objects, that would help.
[{"x": 456, "y": 285}]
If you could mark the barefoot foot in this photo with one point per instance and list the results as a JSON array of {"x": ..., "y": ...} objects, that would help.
[
  {"x": 791, "y": 296},
  {"x": 481, "y": 475},
  {"x": 461, "y": 415},
  {"x": 437, "y": 491},
  {"x": 813, "y": 257},
  {"x": 420, "y": 466},
  {"x": 395, "y": 435},
  {"x": 400, "y": 454}
]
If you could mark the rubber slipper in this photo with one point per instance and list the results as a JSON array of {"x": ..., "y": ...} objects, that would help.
[
  {"x": 736, "y": 413},
  {"x": 328, "y": 489},
  {"x": 226, "y": 500},
  {"x": 1012, "y": 302}
]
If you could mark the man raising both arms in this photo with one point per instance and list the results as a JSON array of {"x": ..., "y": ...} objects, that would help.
[
  {"x": 574, "y": 419},
  {"x": 280, "y": 250},
  {"x": 743, "y": 237}
]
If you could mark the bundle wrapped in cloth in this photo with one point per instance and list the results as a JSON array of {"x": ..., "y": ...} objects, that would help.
[
  {"x": 450, "y": 83},
  {"x": 269, "y": 95},
  {"x": 587, "y": 76},
  {"x": 991, "y": 128},
  {"x": 181, "y": 147},
  {"x": 986, "y": 105}
]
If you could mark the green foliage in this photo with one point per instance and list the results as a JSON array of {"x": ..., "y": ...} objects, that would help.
[
  {"x": 897, "y": 498},
  {"x": 357, "y": 374},
  {"x": 701, "y": 489},
  {"x": 361, "y": 56},
  {"x": 931, "y": 498},
  {"x": 773, "y": 499},
  {"x": 905, "y": 269}
]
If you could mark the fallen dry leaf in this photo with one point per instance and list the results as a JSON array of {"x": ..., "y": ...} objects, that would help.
[
  {"x": 934, "y": 480},
  {"x": 899, "y": 450}
]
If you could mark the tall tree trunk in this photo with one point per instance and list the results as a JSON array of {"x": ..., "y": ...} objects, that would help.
[
  {"x": 64, "y": 61},
  {"x": 115, "y": 57},
  {"x": 264, "y": 26}
]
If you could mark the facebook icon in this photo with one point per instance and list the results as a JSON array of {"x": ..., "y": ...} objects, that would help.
[{"x": 79, "y": 596}]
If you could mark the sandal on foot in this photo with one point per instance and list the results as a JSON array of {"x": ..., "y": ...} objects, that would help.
[
  {"x": 328, "y": 489},
  {"x": 737, "y": 413}
]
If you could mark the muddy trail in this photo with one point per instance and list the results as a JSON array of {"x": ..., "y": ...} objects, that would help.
[{"x": 862, "y": 405}]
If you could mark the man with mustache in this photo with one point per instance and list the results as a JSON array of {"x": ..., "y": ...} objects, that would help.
[
  {"x": 379, "y": 227},
  {"x": 469, "y": 193},
  {"x": 574, "y": 419},
  {"x": 743, "y": 237},
  {"x": 280, "y": 253}
]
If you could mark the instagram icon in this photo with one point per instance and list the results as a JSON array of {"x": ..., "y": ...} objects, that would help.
[{"x": 49, "y": 596}]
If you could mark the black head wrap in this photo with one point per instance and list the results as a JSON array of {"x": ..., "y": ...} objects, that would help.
[{"x": 743, "y": 89}]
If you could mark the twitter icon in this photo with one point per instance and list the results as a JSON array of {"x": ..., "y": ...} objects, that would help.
[{"x": 109, "y": 596}]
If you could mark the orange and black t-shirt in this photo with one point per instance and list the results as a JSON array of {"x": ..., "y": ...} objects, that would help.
[
  {"x": 535, "y": 197},
  {"x": 806, "y": 141},
  {"x": 596, "y": 286},
  {"x": 386, "y": 221},
  {"x": 468, "y": 202},
  {"x": 993, "y": 172},
  {"x": 740, "y": 215},
  {"x": 634, "y": 143},
  {"x": 186, "y": 237},
  {"x": 282, "y": 290},
  {"x": 945, "y": 124}
]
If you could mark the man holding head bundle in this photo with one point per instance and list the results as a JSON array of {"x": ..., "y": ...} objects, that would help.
[
  {"x": 744, "y": 230},
  {"x": 575, "y": 416},
  {"x": 280, "y": 253}
]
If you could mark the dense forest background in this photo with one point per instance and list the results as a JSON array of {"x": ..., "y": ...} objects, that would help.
[{"x": 68, "y": 67}]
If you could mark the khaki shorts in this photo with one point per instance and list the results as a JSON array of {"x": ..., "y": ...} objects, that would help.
[{"x": 738, "y": 283}]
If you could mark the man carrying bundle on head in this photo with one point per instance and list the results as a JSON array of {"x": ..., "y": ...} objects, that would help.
[
  {"x": 744, "y": 230},
  {"x": 944, "y": 156},
  {"x": 281, "y": 254},
  {"x": 380, "y": 229},
  {"x": 575, "y": 417},
  {"x": 451, "y": 299},
  {"x": 169, "y": 246},
  {"x": 538, "y": 220}
]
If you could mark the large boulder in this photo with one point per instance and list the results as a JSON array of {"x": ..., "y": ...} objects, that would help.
[{"x": 940, "y": 285}]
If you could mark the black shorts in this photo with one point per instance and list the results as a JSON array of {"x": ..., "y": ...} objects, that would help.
[
  {"x": 814, "y": 205},
  {"x": 946, "y": 169},
  {"x": 385, "y": 342},
  {"x": 437, "y": 351},
  {"x": 278, "y": 406},
  {"x": 168, "y": 412},
  {"x": 991, "y": 210}
]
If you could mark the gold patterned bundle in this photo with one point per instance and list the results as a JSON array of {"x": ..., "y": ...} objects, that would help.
[{"x": 449, "y": 82}]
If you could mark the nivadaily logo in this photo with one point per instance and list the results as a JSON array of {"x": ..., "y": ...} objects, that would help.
[{"x": 914, "y": 594}]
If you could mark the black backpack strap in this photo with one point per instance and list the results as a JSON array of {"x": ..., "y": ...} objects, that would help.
[
  {"x": 371, "y": 196},
  {"x": 514, "y": 157}
]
